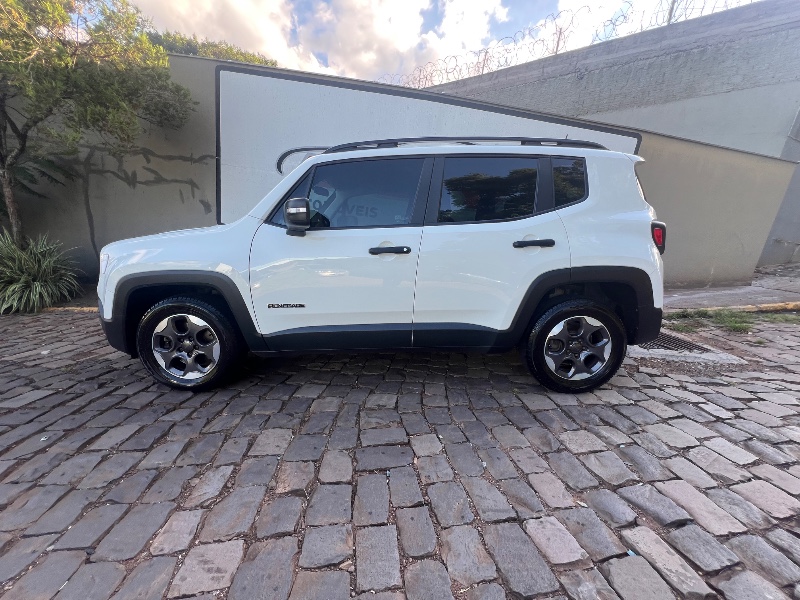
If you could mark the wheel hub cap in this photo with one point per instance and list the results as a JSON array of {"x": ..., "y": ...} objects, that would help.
[
  {"x": 185, "y": 346},
  {"x": 577, "y": 348}
]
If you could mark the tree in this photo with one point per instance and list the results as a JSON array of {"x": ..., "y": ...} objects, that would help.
[
  {"x": 74, "y": 69},
  {"x": 177, "y": 43}
]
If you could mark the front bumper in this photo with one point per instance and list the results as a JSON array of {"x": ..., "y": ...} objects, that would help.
[{"x": 114, "y": 329}]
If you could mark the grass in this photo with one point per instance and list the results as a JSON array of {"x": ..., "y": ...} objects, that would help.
[{"x": 736, "y": 321}]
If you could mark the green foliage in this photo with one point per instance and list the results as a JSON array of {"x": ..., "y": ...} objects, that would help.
[
  {"x": 177, "y": 43},
  {"x": 34, "y": 277},
  {"x": 736, "y": 321}
]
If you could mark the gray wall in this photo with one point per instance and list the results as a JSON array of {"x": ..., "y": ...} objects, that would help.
[{"x": 730, "y": 79}]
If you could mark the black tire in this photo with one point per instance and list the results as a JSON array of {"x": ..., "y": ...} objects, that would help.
[
  {"x": 590, "y": 367},
  {"x": 206, "y": 368}
]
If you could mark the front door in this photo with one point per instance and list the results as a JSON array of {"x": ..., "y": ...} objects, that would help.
[
  {"x": 349, "y": 282},
  {"x": 489, "y": 233}
]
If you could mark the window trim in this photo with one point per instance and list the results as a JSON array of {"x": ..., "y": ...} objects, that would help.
[
  {"x": 585, "y": 181},
  {"x": 420, "y": 198},
  {"x": 437, "y": 182}
]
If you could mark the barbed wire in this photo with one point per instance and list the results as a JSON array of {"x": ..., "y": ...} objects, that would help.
[{"x": 551, "y": 36}]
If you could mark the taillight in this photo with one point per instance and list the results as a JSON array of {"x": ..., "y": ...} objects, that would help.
[{"x": 659, "y": 231}]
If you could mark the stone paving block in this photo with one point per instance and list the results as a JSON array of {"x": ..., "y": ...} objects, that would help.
[
  {"x": 497, "y": 463},
  {"x": 233, "y": 515},
  {"x": 556, "y": 543},
  {"x": 768, "y": 452},
  {"x": 590, "y": 532},
  {"x": 744, "y": 511},
  {"x": 110, "y": 469},
  {"x": 521, "y": 566},
  {"x": 343, "y": 438},
  {"x": 271, "y": 442},
  {"x": 162, "y": 456},
  {"x": 486, "y": 591},
  {"x": 609, "y": 467},
  {"x": 667, "y": 562},
  {"x": 729, "y": 451},
  {"x": 707, "y": 514},
  {"x": 46, "y": 578},
  {"x": 777, "y": 477},
  {"x": 130, "y": 488},
  {"x": 61, "y": 516},
  {"x": 330, "y": 505},
  {"x": 279, "y": 517},
  {"x": 767, "y": 497},
  {"x": 717, "y": 465},
  {"x": 322, "y": 585},
  {"x": 450, "y": 504},
  {"x": 88, "y": 530},
  {"x": 386, "y": 436},
  {"x": 201, "y": 450},
  {"x": 765, "y": 560},
  {"x": 702, "y": 549},
  {"x": 427, "y": 580},
  {"x": 11, "y": 491},
  {"x": 426, "y": 445},
  {"x": 371, "y": 505},
  {"x": 294, "y": 478},
  {"x": 746, "y": 585},
  {"x": 587, "y": 585},
  {"x": 571, "y": 471},
  {"x": 433, "y": 469},
  {"x": 130, "y": 535},
  {"x": 206, "y": 568},
  {"x": 788, "y": 543},
  {"x": 541, "y": 439},
  {"x": 305, "y": 447},
  {"x": 610, "y": 507},
  {"x": 653, "y": 445},
  {"x": 488, "y": 501},
  {"x": 377, "y": 558},
  {"x": 337, "y": 467},
  {"x": 177, "y": 534},
  {"x": 324, "y": 546},
  {"x": 257, "y": 471},
  {"x": 93, "y": 582},
  {"x": 31, "y": 505},
  {"x": 417, "y": 535},
  {"x": 71, "y": 471},
  {"x": 662, "y": 509},
  {"x": 403, "y": 487},
  {"x": 550, "y": 489},
  {"x": 526, "y": 460},
  {"x": 689, "y": 472},
  {"x": 522, "y": 498},
  {"x": 464, "y": 459},
  {"x": 22, "y": 553},
  {"x": 380, "y": 458},
  {"x": 634, "y": 579},
  {"x": 647, "y": 465},
  {"x": 581, "y": 442},
  {"x": 510, "y": 437},
  {"x": 209, "y": 486}
]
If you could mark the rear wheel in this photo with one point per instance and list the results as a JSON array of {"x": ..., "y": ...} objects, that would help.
[
  {"x": 576, "y": 346},
  {"x": 187, "y": 344}
]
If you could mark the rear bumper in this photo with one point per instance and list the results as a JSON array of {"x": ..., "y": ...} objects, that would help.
[{"x": 648, "y": 326}]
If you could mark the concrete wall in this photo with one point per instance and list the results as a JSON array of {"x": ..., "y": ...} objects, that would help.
[
  {"x": 169, "y": 184},
  {"x": 731, "y": 79}
]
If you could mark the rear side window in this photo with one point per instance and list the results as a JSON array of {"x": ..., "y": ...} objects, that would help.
[
  {"x": 569, "y": 180},
  {"x": 487, "y": 189}
]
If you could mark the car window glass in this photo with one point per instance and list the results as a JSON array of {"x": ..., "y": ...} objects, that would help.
[
  {"x": 569, "y": 180},
  {"x": 365, "y": 193},
  {"x": 298, "y": 191},
  {"x": 487, "y": 189}
]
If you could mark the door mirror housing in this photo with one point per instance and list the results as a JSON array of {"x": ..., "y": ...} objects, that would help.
[{"x": 297, "y": 216}]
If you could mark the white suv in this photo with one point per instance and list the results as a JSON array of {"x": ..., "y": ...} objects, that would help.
[{"x": 482, "y": 244}]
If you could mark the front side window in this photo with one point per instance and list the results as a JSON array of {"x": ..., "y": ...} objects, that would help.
[
  {"x": 569, "y": 180},
  {"x": 487, "y": 189},
  {"x": 365, "y": 193}
]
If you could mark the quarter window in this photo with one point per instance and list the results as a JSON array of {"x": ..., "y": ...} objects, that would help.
[
  {"x": 487, "y": 189},
  {"x": 569, "y": 180}
]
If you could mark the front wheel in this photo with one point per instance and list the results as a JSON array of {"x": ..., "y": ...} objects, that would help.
[
  {"x": 187, "y": 344},
  {"x": 576, "y": 346}
]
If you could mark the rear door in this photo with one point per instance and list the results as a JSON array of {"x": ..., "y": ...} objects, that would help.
[{"x": 490, "y": 231}]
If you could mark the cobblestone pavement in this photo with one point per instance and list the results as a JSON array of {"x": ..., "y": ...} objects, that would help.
[{"x": 394, "y": 476}]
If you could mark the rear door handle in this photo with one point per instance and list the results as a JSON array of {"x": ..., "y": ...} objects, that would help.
[
  {"x": 390, "y": 250},
  {"x": 540, "y": 243}
]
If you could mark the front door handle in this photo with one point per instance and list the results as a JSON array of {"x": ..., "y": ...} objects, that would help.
[
  {"x": 540, "y": 243},
  {"x": 390, "y": 250}
]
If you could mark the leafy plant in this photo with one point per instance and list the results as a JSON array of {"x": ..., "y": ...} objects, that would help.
[
  {"x": 177, "y": 43},
  {"x": 35, "y": 276}
]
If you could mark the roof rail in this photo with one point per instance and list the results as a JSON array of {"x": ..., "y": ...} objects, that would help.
[{"x": 394, "y": 143}]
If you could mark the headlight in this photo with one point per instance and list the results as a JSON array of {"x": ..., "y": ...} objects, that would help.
[{"x": 104, "y": 258}]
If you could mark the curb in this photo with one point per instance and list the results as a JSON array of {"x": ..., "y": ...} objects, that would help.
[{"x": 776, "y": 307}]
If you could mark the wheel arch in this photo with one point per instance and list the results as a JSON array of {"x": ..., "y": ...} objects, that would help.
[{"x": 136, "y": 293}]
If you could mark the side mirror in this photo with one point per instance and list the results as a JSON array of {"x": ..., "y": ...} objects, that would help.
[{"x": 297, "y": 216}]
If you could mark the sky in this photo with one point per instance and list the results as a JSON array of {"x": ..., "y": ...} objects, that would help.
[{"x": 371, "y": 39}]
